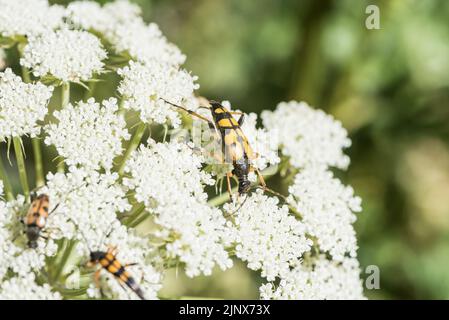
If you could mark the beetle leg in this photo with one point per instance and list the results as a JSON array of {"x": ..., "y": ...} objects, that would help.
[
  {"x": 131, "y": 264},
  {"x": 261, "y": 179},
  {"x": 97, "y": 278},
  {"x": 112, "y": 250}
]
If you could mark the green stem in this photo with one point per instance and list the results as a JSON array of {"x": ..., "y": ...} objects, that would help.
[
  {"x": 134, "y": 214},
  {"x": 21, "y": 166},
  {"x": 65, "y": 257},
  {"x": 26, "y": 75},
  {"x": 38, "y": 166},
  {"x": 141, "y": 218},
  {"x": 65, "y": 100},
  {"x": 121, "y": 109},
  {"x": 134, "y": 143},
  {"x": 6, "y": 184},
  {"x": 65, "y": 94}
]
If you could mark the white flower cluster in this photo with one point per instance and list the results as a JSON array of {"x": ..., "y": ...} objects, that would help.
[
  {"x": 144, "y": 43},
  {"x": 88, "y": 199},
  {"x": 326, "y": 207},
  {"x": 307, "y": 244},
  {"x": 316, "y": 279},
  {"x": 68, "y": 55},
  {"x": 120, "y": 24},
  {"x": 87, "y": 212},
  {"x": 28, "y": 17},
  {"x": 267, "y": 236},
  {"x": 145, "y": 87},
  {"x": 88, "y": 134},
  {"x": 22, "y": 105},
  {"x": 25, "y": 288},
  {"x": 179, "y": 203},
  {"x": 90, "y": 15},
  {"x": 308, "y": 136},
  {"x": 21, "y": 262}
]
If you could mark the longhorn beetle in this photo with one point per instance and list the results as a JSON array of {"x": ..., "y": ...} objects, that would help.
[
  {"x": 108, "y": 261},
  {"x": 36, "y": 218},
  {"x": 234, "y": 144}
]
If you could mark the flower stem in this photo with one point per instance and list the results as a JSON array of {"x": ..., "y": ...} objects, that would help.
[
  {"x": 38, "y": 167},
  {"x": 6, "y": 184},
  {"x": 38, "y": 162},
  {"x": 134, "y": 214},
  {"x": 65, "y": 94},
  {"x": 26, "y": 75},
  {"x": 132, "y": 146},
  {"x": 21, "y": 166},
  {"x": 121, "y": 109},
  {"x": 65, "y": 99},
  {"x": 65, "y": 257}
]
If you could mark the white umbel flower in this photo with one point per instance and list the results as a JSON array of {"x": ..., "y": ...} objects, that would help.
[
  {"x": 14, "y": 253},
  {"x": 90, "y": 15},
  {"x": 308, "y": 136},
  {"x": 327, "y": 208},
  {"x": 144, "y": 43},
  {"x": 68, "y": 55},
  {"x": 26, "y": 288},
  {"x": 88, "y": 134},
  {"x": 317, "y": 279},
  {"x": 28, "y": 17},
  {"x": 88, "y": 199},
  {"x": 144, "y": 86},
  {"x": 7, "y": 249},
  {"x": 178, "y": 202},
  {"x": 119, "y": 22},
  {"x": 196, "y": 234},
  {"x": 22, "y": 105},
  {"x": 179, "y": 167},
  {"x": 267, "y": 236}
]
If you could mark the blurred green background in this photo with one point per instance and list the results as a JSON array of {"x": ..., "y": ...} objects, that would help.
[{"x": 389, "y": 87}]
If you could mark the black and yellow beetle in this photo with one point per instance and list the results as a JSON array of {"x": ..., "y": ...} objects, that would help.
[
  {"x": 108, "y": 261},
  {"x": 36, "y": 218},
  {"x": 236, "y": 149}
]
